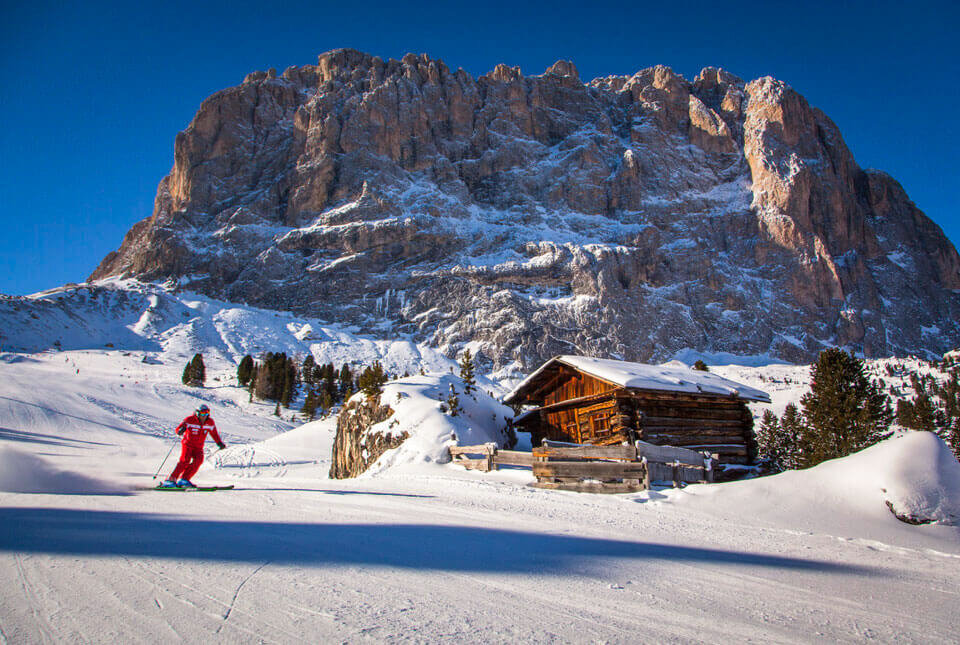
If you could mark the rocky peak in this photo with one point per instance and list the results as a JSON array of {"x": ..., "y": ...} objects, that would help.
[
  {"x": 634, "y": 216},
  {"x": 564, "y": 69}
]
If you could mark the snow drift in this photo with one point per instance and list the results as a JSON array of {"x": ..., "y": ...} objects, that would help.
[
  {"x": 869, "y": 494},
  {"x": 22, "y": 472}
]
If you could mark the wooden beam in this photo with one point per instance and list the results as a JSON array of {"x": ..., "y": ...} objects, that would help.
[
  {"x": 651, "y": 420},
  {"x": 513, "y": 458},
  {"x": 589, "y": 470},
  {"x": 582, "y": 400},
  {"x": 586, "y": 452}
]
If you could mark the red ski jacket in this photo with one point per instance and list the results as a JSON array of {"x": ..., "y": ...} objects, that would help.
[{"x": 195, "y": 433}]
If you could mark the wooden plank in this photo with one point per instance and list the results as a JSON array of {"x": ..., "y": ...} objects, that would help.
[
  {"x": 691, "y": 430},
  {"x": 666, "y": 421},
  {"x": 596, "y": 407},
  {"x": 553, "y": 451},
  {"x": 685, "y": 439},
  {"x": 724, "y": 450},
  {"x": 593, "y": 487},
  {"x": 513, "y": 458},
  {"x": 482, "y": 449},
  {"x": 590, "y": 470},
  {"x": 660, "y": 472},
  {"x": 723, "y": 406},
  {"x": 668, "y": 454},
  {"x": 482, "y": 465}
]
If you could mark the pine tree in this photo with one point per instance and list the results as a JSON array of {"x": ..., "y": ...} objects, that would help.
[
  {"x": 346, "y": 381},
  {"x": 768, "y": 439},
  {"x": 371, "y": 380},
  {"x": 326, "y": 401},
  {"x": 453, "y": 402},
  {"x": 924, "y": 414},
  {"x": 308, "y": 371},
  {"x": 199, "y": 370},
  {"x": 792, "y": 433},
  {"x": 245, "y": 370},
  {"x": 844, "y": 411},
  {"x": 290, "y": 379},
  {"x": 467, "y": 373},
  {"x": 309, "y": 409},
  {"x": 779, "y": 439},
  {"x": 195, "y": 372},
  {"x": 951, "y": 437},
  {"x": 701, "y": 366},
  {"x": 905, "y": 414}
]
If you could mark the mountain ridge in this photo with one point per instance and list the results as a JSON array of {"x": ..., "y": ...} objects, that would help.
[{"x": 632, "y": 216}]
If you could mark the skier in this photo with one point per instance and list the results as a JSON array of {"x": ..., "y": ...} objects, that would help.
[{"x": 194, "y": 430}]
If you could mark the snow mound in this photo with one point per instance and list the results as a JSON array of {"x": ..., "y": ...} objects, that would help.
[
  {"x": 22, "y": 472},
  {"x": 921, "y": 477},
  {"x": 419, "y": 402},
  {"x": 912, "y": 478}
]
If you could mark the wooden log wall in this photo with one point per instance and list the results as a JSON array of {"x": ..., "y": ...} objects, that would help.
[{"x": 720, "y": 426}]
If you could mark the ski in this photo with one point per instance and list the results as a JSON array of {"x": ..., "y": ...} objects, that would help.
[{"x": 202, "y": 489}]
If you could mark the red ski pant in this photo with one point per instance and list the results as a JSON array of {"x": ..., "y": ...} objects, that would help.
[{"x": 190, "y": 459}]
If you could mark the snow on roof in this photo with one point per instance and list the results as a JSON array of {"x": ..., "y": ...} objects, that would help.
[{"x": 669, "y": 377}]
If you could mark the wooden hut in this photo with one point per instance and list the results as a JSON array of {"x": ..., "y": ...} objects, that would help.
[{"x": 604, "y": 402}]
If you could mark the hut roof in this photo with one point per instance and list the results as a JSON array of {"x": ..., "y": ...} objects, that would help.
[{"x": 669, "y": 377}]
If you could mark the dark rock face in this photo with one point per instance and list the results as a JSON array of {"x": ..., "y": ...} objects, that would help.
[
  {"x": 628, "y": 216},
  {"x": 355, "y": 448}
]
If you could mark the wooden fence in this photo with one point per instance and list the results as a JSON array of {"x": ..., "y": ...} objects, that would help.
[
  {"x": 588, "y": 468},
  {"x": 486, "y": 457}
]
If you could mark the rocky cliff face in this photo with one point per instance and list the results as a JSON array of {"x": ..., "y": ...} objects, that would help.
[
  {"x": 355, "y": 448},
  {"x": 629, "y": 216}
]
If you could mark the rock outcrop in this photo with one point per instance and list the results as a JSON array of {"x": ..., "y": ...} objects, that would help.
[
  {"x": 355, "y": 448},
  {"x": 629, "y": 216}
]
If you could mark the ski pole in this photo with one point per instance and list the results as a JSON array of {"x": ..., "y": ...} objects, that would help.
[{"x": 164, "y": 461}]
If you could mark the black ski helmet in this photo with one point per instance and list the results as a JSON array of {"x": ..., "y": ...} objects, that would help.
[{"x": 203, "y": 409}]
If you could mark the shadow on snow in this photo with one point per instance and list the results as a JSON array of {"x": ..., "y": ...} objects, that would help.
[{"x": 411, "y": 546}]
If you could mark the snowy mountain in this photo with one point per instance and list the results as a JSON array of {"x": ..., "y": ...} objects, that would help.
[
  {"x": 169, "y": 327},
  {"x": 635, "y": 216}
]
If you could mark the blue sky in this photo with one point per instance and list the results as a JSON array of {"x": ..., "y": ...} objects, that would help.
[{"x": 93, "y": 94}]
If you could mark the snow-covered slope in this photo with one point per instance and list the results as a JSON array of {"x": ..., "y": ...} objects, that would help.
[
  {"x": 171, "y": 326},
  {"x": 428, "y": 551}
]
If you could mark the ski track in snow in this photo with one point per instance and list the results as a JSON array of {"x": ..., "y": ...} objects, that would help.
[{"x": 415, "y": 553}]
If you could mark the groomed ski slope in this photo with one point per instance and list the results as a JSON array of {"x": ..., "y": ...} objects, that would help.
[{"x": 423, "y": 551}]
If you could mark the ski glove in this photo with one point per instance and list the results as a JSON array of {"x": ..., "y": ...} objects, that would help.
[
  {"x": 181, "y": 431},
  {"x": 221, "y": 445}
]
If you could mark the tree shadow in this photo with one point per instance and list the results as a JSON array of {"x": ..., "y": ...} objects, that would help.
[{"x": 408, "y": 546}]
